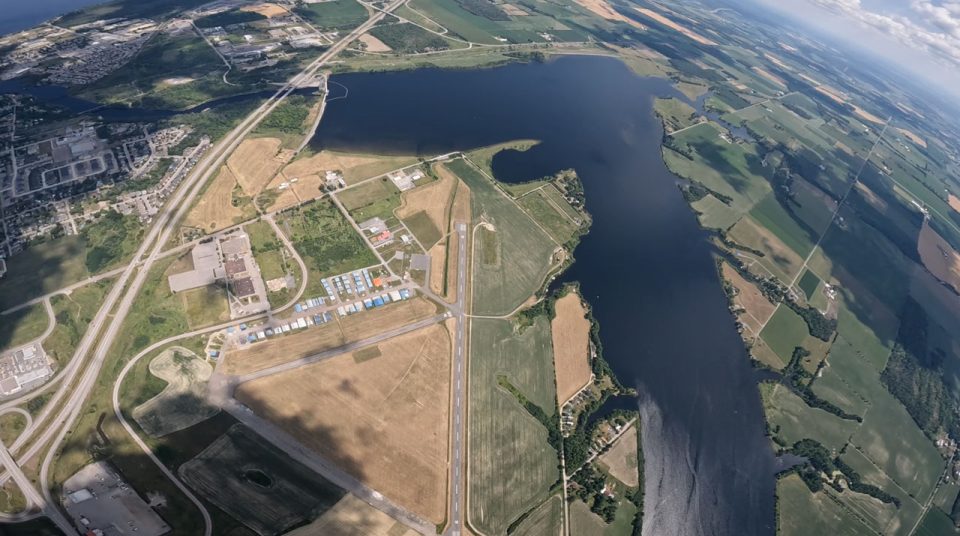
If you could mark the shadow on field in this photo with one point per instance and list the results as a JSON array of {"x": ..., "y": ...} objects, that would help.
[{"x": 252, "y": 485}]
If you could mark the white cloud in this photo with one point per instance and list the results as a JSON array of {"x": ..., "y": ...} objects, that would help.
[{"x": 934, "y": 27}]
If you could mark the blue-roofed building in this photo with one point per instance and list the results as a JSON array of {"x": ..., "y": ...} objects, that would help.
[{"x": 378, "y": 301}]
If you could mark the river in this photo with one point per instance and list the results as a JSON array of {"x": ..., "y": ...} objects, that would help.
[
  {"x": 20, "y": 15},
  {"x": 646, "y": 266}
]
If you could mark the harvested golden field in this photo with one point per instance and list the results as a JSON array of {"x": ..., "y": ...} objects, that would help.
[
  {"x": 307, "y": 187},
  {"x": 374, "y": 44},
  {"x": 676, "y": 27},
  {"x": 757, "y": 309},
  {"x": 380, "y": 413},
  {"x": 776, "y": 61},
  {"x": 570, "y": 331},
  {"x": 279, "y": 350},
  {"x": 267, "y": 10},
  {"x": 353, "y": 517},
  {"x": 954, "y": 202},
  {"x": 621, "y": 460},
  {"x": 770, "y": 76},
  {"x": 909, "y": 134},
  {"x": 355, "y": 167},
  {"x": 939, "y": 257},
  {"x": 370, "y": 323},
  {"x": 433, "y": 200},
  {"x": 863, "y": 114},
  {"x": 438, "y": 259},
  {"x": 254, "y": 163},
  {"x": 215, "y": 209},
  {"x": 604, "y": 10}
]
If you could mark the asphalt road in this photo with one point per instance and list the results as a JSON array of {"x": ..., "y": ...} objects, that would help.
[{"x": 459, "y": 389}]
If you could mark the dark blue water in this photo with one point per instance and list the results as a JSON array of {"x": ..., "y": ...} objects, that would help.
[
  {"x": 20, "y": 15},
  {"x": 645, "y": 266}
]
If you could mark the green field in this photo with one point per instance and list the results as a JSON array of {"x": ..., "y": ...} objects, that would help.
[
  {"x": 524, "y": 250},
  {"x": 785, "y": 331},
  {"x": 791, "y": 419},
  {"x": 675, "y": 113},
  {"x": 377, "y": 198},
  {"x": 334, "y": 14},
  {"x": 288, "y": 121},
  {"x": 511, "y": 465},
  {"x": 809, "y": 282},
  {"x": 802, "y": 512},
  {"x": 936, "y": 523},
  {"x": 409, "y": 39},
  {"x": 583, "y": 521},
  {"x": 771, "y": 215},
  {"x": 22, "y": 326},
  {"x": 460, "y": 18},
  {"x": 423, "y": 228},
  {"x": 546, "y": 520},
  {"x": 11, "y": 424},
  {"x": 549, "y": 214},
  {"x": 326, "y": 242},
  {"x": 73, "y": 313}
]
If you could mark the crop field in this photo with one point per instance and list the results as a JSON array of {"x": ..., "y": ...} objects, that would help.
[
  {"x": 353, "y": 517},
  {"x": 426, "y": 210},
  {"x": 894, "y": 520},
  {"x": 254, "y": 163},
  {"x": 221, "y": 205},
  {"x": 675, "y": 113},
  {"x": 181, "y": 403},
  {"x": 791, "y": 419},
  {"x": 334, "y": 14},
  {"x": 325, "y": 239},
  {"x": 939, "y": 257},
  {"x": 258, "y": 484},
  {"x": 809, "y": 283},
  {"x": 23, "y": 325},
  {"x": 382, "y": 418},
  {"x": 757, "y": 308},
  {"x": 771, "y": 215},
  {"x": 847, "y": 379},
  {"x": 785, "y": 331},
  {"x": 936, "y": 523},
  {"x": 778, "y": 259},
  {"x": 549, "y": 214},
  {"x": 546, "y": 520},
  {"x": 621, "y": 460},
  {"x": 803, "y": 512},
  {"x": 408, "y": 38},
  {"x": 525, "y": 251},
  {"x": 732, "y": 169},
  {"x": 354, "y": 166},
  {"x": 570, "y": 330},
  {"x": 484, "y": 28},
  {"x": 714, "y": 214},
  {"x": 812, "y": 205},
  {"x": 511, "y": 465}
]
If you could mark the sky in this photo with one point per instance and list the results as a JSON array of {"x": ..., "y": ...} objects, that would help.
[{"x": 920, "y": 36}]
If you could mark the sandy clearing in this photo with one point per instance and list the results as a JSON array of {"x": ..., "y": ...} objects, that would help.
[
  {"x": 355, "y": 167},
  {"x": 676, "y": 27},
  {"x": 214, "y": 210},
  {"x": 909, "y": 134},
  {"x": 604, "y": 10},
  {"x": 255, "y": 162},
  {"x": 939, "y": 257},
  {"x": 374, "y": 44},
  {"x": 770, "y": 76},
  {"x": 954, "y": 202},
  {"x": 353, "y": 517},
  {"x": 381, "y": 413},
  {"x": 570, "y": 331},
  {"x": 267, "y": 10},
  {"x": 621, "y": 459}
]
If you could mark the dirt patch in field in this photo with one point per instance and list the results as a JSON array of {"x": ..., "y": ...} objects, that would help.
[
  {"x": 215, "y": 208},
  {"x": 954, "y": 202},
  {"x": 389, "y": 414},
  {"x": 255, "y": 162},
  {"x": 355, "y": 167},
  {"x": 621, "y": 459},
  {"x": 604, "y": 10},
  {"x": 570, "y": 330},
  {"x": 756, "y": 308},
  {"x": 770, "y": 76},
  {"x": 909, "y": 134},
  {"x": 267, "y": 10},
  {"x": 374, "y": 44},
  {"x": 939, "y": 257},
  {"x": 353, "y": 517},
  {"x": 676, "y": 27}
]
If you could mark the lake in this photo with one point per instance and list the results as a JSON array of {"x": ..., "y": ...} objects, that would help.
[
  {"x": 646, "y": 266},
  {"x": 19, "y": 15}
]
